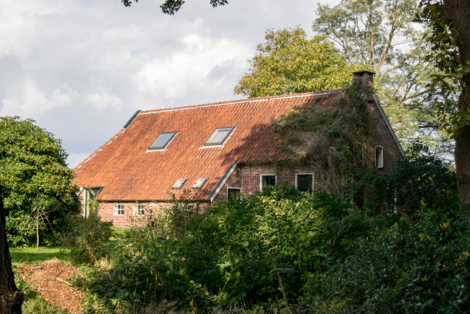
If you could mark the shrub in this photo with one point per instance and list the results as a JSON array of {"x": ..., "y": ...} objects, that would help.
[{"x": 87, "y": 241}]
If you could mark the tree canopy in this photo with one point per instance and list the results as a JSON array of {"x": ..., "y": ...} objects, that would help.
[
  {"x": 172, "y": 6},
  {"x": 382, "y": 36},
  {"x": 288, "y": 62},
  {"x": 32, "y": 167}
]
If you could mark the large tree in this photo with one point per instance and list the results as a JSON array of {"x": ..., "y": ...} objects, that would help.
[
  {"x": 288, "y": 62},
  {"x": 450, "y": 24},
  {"x": 32, "y": 163},
  {"x": 381, "y": 35}
]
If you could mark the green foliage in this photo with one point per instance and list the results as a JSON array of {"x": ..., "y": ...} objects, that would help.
[
  {"x": 325, "y": 137},
  {"x": 87, "y": 241},
  {"x": 371, "y": 33},
  {"x": 418, "y": 181},
  {"x": 232, "y": 256},
  {"x": 290, "y": 63},
  {"x": 33, "y": 173},
  {"x": 31, "y": 255},
  {"x": 172, "y": 6}
]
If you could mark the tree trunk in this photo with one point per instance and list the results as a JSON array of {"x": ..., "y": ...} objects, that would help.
[
  {"x": 458, "y": 11},
  {"x": 11, "y": 298}
]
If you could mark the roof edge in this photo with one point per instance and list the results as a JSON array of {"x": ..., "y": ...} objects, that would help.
[
  {"x": 384, "y": 116},
  {"x": 131, "y": 119},
  {"x": 221, "y": 182}
]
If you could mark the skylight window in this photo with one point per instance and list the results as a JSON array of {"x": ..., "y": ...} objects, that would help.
[
  {"x": 219, "y": 136},
  {"x": 162, "y": 141},
  {"x": 199, "y": 183},
  {"x": 179, "y": 183}
]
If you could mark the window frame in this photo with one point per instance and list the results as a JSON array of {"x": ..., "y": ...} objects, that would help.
[
  {"x": 137, "y": 208},
  {"x": 297, "y": 183},
  {"x": 162, "y": 148},
  {"x": 200, "y": 187},
  {"x": 116, "y": 209},
  {"x": 381, "y": 158},
  {"x": 183, "y": 184},
  {"x": 266, "y": 175},
  {"x": 235, "y": 188},
  {"x": 214, "y": 134}
]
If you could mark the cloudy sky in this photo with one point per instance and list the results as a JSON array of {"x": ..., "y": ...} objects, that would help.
[{"x": 81, "y": 68}]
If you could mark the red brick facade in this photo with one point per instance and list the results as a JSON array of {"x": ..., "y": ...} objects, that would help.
[{"x": 131, "y": 175}]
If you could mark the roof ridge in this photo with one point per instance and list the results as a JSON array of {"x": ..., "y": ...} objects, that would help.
[{"x": 249, "y": 100}]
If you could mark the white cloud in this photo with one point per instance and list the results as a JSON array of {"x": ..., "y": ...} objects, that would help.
[
  {"x": 32, "y": 102},
  {"x": 104, "y": 101}
]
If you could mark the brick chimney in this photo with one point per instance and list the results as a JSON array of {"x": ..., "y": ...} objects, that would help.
[{"x": 365, "y": 83}]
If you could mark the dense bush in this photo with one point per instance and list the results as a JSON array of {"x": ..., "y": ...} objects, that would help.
[
  {"x": 283, "y": 250},
  {"x": 87, "y": 240}
]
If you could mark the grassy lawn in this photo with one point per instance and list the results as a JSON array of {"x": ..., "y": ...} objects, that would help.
[{"x": 30, "y": 255}]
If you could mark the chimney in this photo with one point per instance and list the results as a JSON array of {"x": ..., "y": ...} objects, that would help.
[{"x": 365, "y": 83}]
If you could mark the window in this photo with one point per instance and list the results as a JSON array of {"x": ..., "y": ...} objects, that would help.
[
  {"x": 118, "y": 210},
  {"x": 267, "y": 180},
  {"x": 233, "y": 193},
  {"x": 162, "y": 141},
  {"x": 139, "y": 210},
  {"x": 357, "y": 155},
  {"x": 379, "y": 157},
  {"x": 219, "y": 136},
  {"x": 199, "y": 183},
  {"x": 179, "y": 183},
  {"x": 304, "y": 182}
]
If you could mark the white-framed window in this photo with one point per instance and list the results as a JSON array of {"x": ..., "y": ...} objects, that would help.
[
  {"x": 118, "y": 210},
  {"x": 234, "y": 193},
  {"x": 219, "y": 136},
  {"x": 379, "y": 157},
  {"x": 267, "y": 180},
  {"x": 304, "y": 181},
  {"x": 199, "y": 183},
  {"x": 162, "y": 141},
  {"x": 139, "y": 210}
]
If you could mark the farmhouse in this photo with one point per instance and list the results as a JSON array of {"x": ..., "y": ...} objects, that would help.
[{"x": 218, "y": 150}]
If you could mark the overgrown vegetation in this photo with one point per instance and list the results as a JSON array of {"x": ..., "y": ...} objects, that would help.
[
  {"x": 326, "y": 136},
  {"x": 287, "y": 251}
]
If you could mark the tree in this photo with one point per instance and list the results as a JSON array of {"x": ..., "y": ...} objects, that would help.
[
  {"x": 290, "y": 63},
  {"x": 450, "y": 39},
  {"x": 32, "y": 162},
  {"x": 172, "y": 6},
  {"x": 381, "y": 36}
]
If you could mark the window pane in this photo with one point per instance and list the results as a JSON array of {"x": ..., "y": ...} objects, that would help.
[
  {"x": 233, "y": 194},
  {"x": 269, "y": 180},
  {"x": 304, "y": 182},
  {"x": 379, "y": 157},
  {"x": 220, "y": 136},
  {"x": 162, "y": 140}
]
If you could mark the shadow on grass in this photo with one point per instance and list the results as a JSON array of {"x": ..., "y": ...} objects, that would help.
[{"x": 32, "y": 256}]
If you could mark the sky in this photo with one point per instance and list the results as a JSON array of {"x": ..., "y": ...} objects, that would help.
[{"x": 81, "y": 68}]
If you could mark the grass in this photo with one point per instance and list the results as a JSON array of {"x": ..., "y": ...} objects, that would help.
[{"x": 30, "y": 255}]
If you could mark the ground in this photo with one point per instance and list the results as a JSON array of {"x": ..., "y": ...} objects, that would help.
[{"x": 30, "y": 255}]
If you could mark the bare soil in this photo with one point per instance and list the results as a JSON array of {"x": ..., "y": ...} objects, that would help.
[{"x": 50, "y": 281}]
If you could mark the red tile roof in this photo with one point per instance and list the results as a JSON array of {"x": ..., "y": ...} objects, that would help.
[{"x": 130, "y": 173}]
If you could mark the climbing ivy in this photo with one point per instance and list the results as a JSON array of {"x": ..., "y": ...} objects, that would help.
[{"x": 324, "y": 136}]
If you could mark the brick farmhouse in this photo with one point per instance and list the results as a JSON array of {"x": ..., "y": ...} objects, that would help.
[{"x": 217, "y": 150}]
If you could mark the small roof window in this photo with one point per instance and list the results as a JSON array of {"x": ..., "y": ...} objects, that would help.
[
  {"x": 219, "y": 136},
  {"x": 199, "y": 183},
  {"x": 179, "y": 183},
  {"x": 162, "y": 141}
]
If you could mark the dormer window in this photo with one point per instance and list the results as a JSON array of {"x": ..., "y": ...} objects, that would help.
[
  {"x": 219, "y": 136},
  {"x": 162, "y": 141},
  {"x": 179, "y": 184},
  {"x": 199, "y": 183}
]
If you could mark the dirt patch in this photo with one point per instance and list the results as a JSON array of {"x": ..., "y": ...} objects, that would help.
[{"x": 50, "y": 281}]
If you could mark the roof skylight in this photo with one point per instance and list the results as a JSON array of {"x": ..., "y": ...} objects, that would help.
[
  {"x": 219, "y": 136},
  {"x": 162, "y": 141},
  {"x": 199, "y": 183},
  {"x": 179, "y": 183}
]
